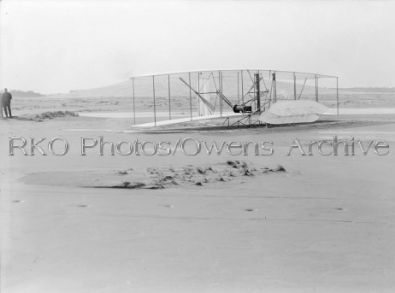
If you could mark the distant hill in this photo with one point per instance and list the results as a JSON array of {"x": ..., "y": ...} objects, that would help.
[
  {"x": 122, "y": 89},
  {"x": 22, "y": 94},
  {"x": 143, "y": 88}
]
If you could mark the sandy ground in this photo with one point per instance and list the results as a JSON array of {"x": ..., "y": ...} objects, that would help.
[{"x": 324, "y": 225}]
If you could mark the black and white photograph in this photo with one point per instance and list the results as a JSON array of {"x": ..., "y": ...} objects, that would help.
[{"x": 198, "y": 146}]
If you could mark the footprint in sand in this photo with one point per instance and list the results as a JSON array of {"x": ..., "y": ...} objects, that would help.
[
  {"x": 170, "y": 206},
  {"x": 81, "y": 205},
  {"x": 249, "y": 210}
]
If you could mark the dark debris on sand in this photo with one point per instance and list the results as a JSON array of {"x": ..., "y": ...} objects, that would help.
[
  {"x": 49, "y": 115},
  {"x": 159, "y": 178}
]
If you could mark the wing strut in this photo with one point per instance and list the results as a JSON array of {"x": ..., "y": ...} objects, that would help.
[{"x": 226, "y": 100}]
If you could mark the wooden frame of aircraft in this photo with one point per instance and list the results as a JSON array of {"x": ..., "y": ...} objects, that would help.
[{"x": 238, "y": 97}]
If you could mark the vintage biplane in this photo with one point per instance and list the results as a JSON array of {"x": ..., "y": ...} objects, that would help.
[{"x": 230, "y": 97}]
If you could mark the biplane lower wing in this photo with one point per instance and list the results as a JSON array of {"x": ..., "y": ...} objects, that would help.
[
  {"x": 188, "y": 119},
  {"x": 273, "y": 119}
]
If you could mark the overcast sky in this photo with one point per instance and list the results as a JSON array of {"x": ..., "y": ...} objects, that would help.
[{"x": 56, "y": 46}]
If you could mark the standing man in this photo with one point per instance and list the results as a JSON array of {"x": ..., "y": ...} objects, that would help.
[
  {"x": 1, "y": 108},
  {"x": 6, "y": 98}
]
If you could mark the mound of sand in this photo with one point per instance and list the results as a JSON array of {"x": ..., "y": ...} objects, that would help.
[
  {"x": 158, "y": 178},
  {"x": 154, "y": 178},
  {"x": 49, "y": 115},
  {"x": 199, "y": 176}
]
